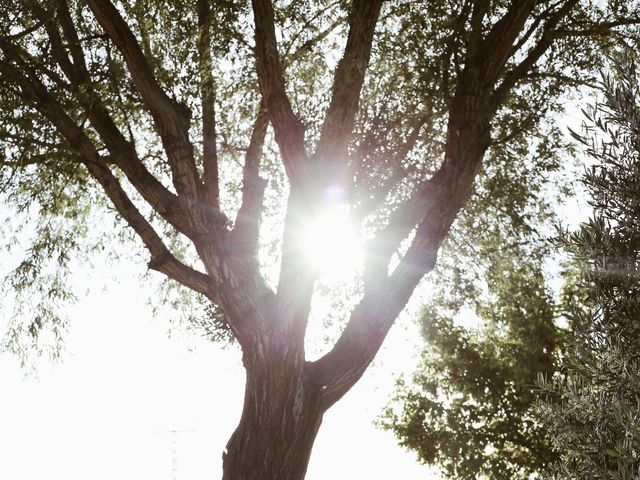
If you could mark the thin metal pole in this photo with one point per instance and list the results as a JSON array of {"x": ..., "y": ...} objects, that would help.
[{"x": 174, "y": 448}]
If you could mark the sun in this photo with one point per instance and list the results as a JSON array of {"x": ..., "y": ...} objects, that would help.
[{"x": 332, "y": 244}]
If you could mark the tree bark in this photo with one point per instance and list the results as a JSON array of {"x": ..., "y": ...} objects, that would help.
[{"x": 280, "y": 419}]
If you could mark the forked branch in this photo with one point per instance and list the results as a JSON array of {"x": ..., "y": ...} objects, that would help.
[{"x": 433, "y": 209}]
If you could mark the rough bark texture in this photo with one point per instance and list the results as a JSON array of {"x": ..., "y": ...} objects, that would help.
[{"x": 281, "y": 416}]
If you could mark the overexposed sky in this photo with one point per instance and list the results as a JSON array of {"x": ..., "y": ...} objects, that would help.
[{"x": 100, "y": 414}]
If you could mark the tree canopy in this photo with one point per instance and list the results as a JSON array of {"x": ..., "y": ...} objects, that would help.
[{"x": 206, "y": 126}]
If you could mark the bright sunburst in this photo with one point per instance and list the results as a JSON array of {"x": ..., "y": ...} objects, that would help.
[{"x": 332, "y": 244}]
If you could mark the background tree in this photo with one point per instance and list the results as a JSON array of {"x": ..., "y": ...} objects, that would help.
[
  {"x": 150, "y": 106},
  {"x": 470, "y": 407},
  {"x": 592, "y": 409}
]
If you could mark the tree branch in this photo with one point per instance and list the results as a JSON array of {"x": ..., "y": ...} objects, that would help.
[
  {"x": 171, "y": 118},
  {"x": 245, "y": 234},
  {"x": 603, "y": 28},
  {"x": 339, "y": 120},
  {"x": 433, "y": 208},
  {"x": 288, "y": 130},
  {"x": 122, "y": 151},
  {"x": 69, "y": 32},
  {"x": 497, "y": 45},
  {"x": 295, "y": 285},
  {"x": 161, "y": 258},
  {"x": 514, "y": 75},
  {"x": 478, "y": 13},
  {"x": 189, "y": 277},
  {"x": 243, "y": 296},
  {"x": 208, "y": 96},
  {"x": 386, "y": 296}
]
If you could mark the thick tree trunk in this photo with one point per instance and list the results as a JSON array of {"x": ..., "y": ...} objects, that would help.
[{"x": 280, "y": 419}]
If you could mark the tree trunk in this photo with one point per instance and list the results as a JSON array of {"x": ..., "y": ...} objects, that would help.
[{"x": 280, "y": 419}]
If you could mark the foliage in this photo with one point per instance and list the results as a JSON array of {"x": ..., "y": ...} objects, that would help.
[
  {"x": 469, "y": 408},
  {"x": 592, "y": 410}
]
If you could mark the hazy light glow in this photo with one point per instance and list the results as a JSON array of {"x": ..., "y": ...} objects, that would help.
[{"x": 332, "y": 244}]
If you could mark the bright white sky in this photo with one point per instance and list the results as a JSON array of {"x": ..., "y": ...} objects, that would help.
[{"x": 97, "y": 414}]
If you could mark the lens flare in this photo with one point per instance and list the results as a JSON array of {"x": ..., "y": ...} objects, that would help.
[{"x": 332, "y": 244}]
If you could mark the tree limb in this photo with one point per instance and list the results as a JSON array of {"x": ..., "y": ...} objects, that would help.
[
  {"x": 514, "y": 75},
  {"x": 171, "y": 118},
  {"x": 338, "y": 123},
  {"x": 161, "y": 258},
  {"x": 296, "y": 281},
  {"x": 70, "y": 34},
  {"x": 245, "y": 234},
  {"x": 122, "y": 151},
  {"x": 208, "y": 96},
  {"x": 497, "y": 45},
  {"x": 433, "y": 208},
  {"x": 386, "y": 296},
  {"x": 288, "y": 130},
  {"x": 602, "y": 28}
]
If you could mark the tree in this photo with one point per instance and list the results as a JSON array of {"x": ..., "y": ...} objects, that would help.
[
  {"x": 591, "y": 410},
  {"x": 101, "y": 102},
  {"x": 470, "y": 408}
]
